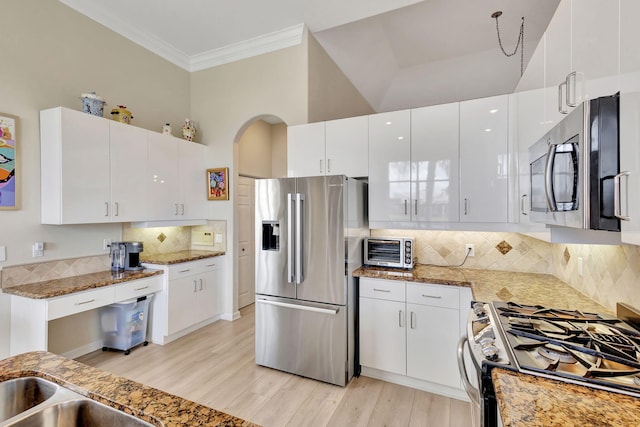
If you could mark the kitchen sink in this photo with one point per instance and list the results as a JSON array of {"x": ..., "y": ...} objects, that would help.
[
  {"x": 36, "y": 402},
  {"x": 21, "y": 394}
]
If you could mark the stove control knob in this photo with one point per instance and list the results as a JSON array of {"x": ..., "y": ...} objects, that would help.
[
  {"x": 490, "y": 352},
  {"x": 478, "y": 309}
]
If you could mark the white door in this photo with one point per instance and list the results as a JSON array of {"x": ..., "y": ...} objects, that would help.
[{"x": 246, "y": 233}]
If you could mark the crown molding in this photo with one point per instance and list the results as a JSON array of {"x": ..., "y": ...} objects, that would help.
[
  {"x": 281, "y": 39},
  {"x": 130, "y": 32},
  {"x": 286, "y": 37}
]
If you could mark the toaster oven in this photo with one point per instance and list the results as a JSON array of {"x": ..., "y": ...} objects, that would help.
[{"x": 389, "y": 252}]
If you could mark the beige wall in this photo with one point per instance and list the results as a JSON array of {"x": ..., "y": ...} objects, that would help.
[
  {"x": 331, "y": 93},
  {"x": 50, "y": 55},
  {"x": 255, "y": 147},
  {"x": 279, "y": 150}
]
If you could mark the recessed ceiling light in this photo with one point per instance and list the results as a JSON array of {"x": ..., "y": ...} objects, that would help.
[
  {"x": 401, "y": 138},
  {"x": 495, "y": 110},
  {"x": 387, "y": 123},
  {"x": 487, "y": 130}
]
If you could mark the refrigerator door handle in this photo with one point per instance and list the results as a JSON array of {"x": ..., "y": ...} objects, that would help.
[
  {"x": 299, "y": 307},
  {"x": 290, "y": 233},
  {"x": 299, "y": 238}
]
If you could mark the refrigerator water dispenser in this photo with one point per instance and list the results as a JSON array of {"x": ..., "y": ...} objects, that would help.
[{"x": 270, "y": 236}]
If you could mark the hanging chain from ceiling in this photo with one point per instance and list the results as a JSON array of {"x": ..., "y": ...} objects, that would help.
[{"x": 520, "y": 42}]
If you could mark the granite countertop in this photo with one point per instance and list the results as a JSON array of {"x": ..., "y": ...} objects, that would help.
[
  {"x": 493, "y": 285},
  {"x": 73, "y": 284},
  {"x": 178, "y": 257},
  {"x": 147, "y": 403},
  {"x": 527, "y": 400}
]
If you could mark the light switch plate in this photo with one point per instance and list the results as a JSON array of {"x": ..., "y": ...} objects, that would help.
[{"x": 218, "y": 238}]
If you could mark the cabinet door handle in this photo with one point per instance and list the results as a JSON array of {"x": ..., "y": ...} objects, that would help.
[
  {"x": 405, "y": 206},
  {"x": 195, "y": 286},
  {"x": 523, "y": 209},
  {"x": 106, "y": 208},
  {"x": 381, "y": 290},
  {"x": 328, "y": 165},
  {"x": 141, "y": 289},
  {"x": 400, "y": 316},
  {"x": 466, "y": 206},
  {"x": 200, "y": 284},
  {"x": 571, "y": 100},
  {"x": 181, "y": 208},
  {"x": 320, "y": 165},
  {"x": 117, "y": 209},
  {"x": 617, "y": 202},
  {"x": 432, "y": 296},
  {"x": 85, "y": 302},
  {"x": 411, "y": 319},
  {"x": 175, "y": 212},
  {"x": 415, "y": 209},
  {"x": 560, "y": 103}
]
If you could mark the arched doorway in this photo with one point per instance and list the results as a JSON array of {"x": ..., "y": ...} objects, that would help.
[{"x": 261, "y": 151}]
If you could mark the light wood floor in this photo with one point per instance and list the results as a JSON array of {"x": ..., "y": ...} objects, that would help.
[{"x": 215, "y": 366}]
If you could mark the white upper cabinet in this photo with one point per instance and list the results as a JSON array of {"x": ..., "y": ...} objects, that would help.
[
  {"x": 390, "y": 166},
  {"x": 557, "y": 64},
  {"x": 347, "y": 146},
  {"x": 484, "y": 160},
  {"x": 434, "y": 163},
  {"x": 630, "y": 121},
  {"x": 336, "y": 147},
  {"x": 90, "y": 169},
  {"x": 305, "y": 150},
  {"x": 128, "y": 154},
  {"x": 176, "y": 179}
]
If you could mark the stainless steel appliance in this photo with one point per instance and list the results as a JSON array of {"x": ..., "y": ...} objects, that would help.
[
  {"x": 590, "y": 349},
  {"x": 389, "y": 252},
  {"x": 126, "y": 256},
  {"x": 573, "y": 169},
  {"x": 309, "y": 234}
]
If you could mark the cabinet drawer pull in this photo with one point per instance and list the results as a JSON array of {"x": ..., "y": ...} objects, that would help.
[
  {"x": 184, "y": 271},
  {"x": 85, "y": 302},
  {"x": 381, "y": 290},
  {"x": 142, "y": 288},
  {"x": 212, "y": 265},
  {"x": 432, "y": 296}
]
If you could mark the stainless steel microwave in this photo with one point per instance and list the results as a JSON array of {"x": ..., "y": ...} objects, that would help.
[
  {"x": 389, "y": 252},
  {"x": 573, "y": 168}
]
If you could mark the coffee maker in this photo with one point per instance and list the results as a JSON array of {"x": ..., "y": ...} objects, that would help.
[{"x": 126, "y": 256}]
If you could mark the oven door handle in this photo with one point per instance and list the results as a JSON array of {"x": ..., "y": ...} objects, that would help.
[{"x": 472, "y": 392}]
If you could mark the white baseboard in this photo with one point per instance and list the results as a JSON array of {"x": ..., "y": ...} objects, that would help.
[
  {"x": 162, "y": 340},
  {"x": 404, "y": 380},
  {"x": 231, "y": 317},
  {"x": 82, "y": 350}
]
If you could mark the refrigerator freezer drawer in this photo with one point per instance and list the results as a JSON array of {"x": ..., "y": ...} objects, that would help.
[{"x": 301, "y": 338}]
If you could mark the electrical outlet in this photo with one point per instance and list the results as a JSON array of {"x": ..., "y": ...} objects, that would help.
[
  {"x": 105, "y": 244},
  {"x": 470, "y": 249}
]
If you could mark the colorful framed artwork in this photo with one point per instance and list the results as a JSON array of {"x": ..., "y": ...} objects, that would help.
[
  {"x": 8, "y": 162},
  {"x": 218, "y": 183}
]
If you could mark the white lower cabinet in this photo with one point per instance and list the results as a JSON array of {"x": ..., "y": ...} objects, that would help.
[
  {"x": 189, "y": 300},
  {"x": 409, "y": 333}
]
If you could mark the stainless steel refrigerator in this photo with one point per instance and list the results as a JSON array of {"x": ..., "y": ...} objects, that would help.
[{"x": 309, "y": 235}]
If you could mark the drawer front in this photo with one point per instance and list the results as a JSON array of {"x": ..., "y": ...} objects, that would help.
[
  {"x": 137, "y": 288},
  {"x": 193, "y": 267},
  {"x": 392, "y": 290},
  {"x": 434, "y": 295},
  {"x": 82, "y": 301}
]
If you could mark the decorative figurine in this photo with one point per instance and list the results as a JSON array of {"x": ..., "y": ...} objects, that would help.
[
  {"x": 166, "y": 129},
  {"x": 121, "y": 114},
  {"x": 188, "y": 130}
]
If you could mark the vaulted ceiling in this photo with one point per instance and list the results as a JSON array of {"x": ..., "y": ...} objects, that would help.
[{"x": 398, "y": 53}]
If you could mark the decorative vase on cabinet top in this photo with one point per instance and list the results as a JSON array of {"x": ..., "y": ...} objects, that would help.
[
  {"x": 92, "y": 104},
  {"x": 188, "y": 130},
  {"x": 121, "y": 114}
]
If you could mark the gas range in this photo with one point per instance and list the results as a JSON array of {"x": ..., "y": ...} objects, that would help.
[{"x": 587, "y": 348}]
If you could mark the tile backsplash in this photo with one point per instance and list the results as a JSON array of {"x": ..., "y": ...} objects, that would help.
[
  {"x": 610, "y": 274},
  {"x": 42, "y": 271},
  {"x": 162, "y": 240},
  {"x": 493, "y": 251}
]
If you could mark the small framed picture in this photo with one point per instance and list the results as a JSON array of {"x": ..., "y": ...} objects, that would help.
[
  {"x": 8, "y": 162},
  {"x": 218, "y": 183}
]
